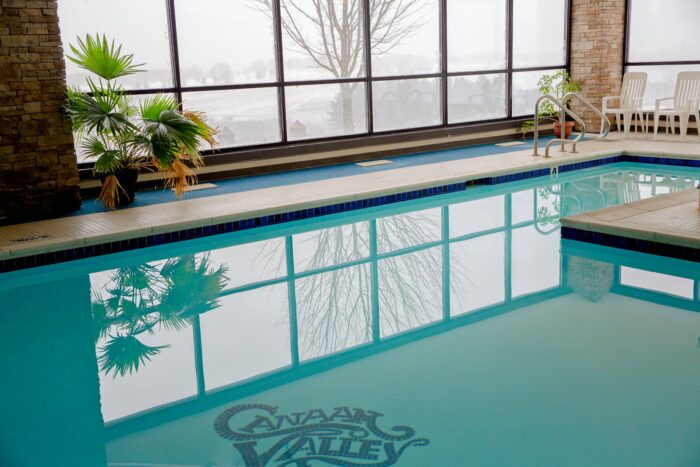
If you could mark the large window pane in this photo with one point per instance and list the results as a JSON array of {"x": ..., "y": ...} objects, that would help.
[
  {"x": 661, "y": 80},
  {"x": 334, "y": 311},
  {"x": 477, "y": 216},
  {"x": 522, "y": 206},
  {"x": 249, "y": 263},
  {"x": 410, "y": 291},
  {"x": 318, "y": 111},
  {"x": 166, "y": 377},
  {"x": 526, "y": 92},
  {"x": 662, "y": 30},
  {"x": 406, "y": 103},
  {"x": 535, "y": 262},
  {"x": 246, "y": 337},
  {"x": 243, "y": 116},
  {"x": 539, "y": 33},
  {"x": 408, "y": 230},
  {"x": 405, "y": 37},
  {"x": 212, "y": 40},
  {"x": 476, "y": 97},
  {"x": 476, "y": 35},
  {"x": 477, "y": 273},
  {"x": 329, "y": 247},
  {"x": 145, "y": 355},
  {"x": 141, "y": 27},
  {"x": 657, "y": 282},
  {"x": 322, "y": 43}
]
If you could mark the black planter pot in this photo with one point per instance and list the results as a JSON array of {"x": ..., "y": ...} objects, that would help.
[{"x": 127, "y": 178}]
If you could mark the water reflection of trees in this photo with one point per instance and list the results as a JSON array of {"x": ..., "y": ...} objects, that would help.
[
  {"x": 334, "y": 307},
  {"x": 145, "y": 298}
]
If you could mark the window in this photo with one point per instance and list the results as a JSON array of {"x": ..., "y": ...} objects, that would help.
[
  {"x": 333, "y": 311},
  {"x": 270, "y": 72},
  {"x": 141, "y": 27},
  {"x": 408, "y": 103},
  {"x": 255, "y": 322},
  {"x": 657, "y": 282},
  {"x": 476, "y": 97},
  {"x": 405, "y": 37},
  {"x": 322, "y": 44},
  {"x": 526, "y": 92},
  {"x": 539, "y": 33},
  {"x": 213, "y": 38},
  {"x": 476, "y": 35},
  {"x": 659, "y": 43},
  {"x": 477, "y": 216},
  {"x": 323, "y": 110},
  {"x": 410, "y": 291},
  {"x": 243, "y": 117},
  {"x": 479, "y": 262},
  {"x": 659, "y": 30}
]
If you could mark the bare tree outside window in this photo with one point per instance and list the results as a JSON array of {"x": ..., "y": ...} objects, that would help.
[{"x": 328, "y": 37}]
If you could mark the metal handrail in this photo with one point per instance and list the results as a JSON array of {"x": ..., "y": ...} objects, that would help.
[
  {"x": 562, "y": 119},
  {"x": 605, "y": 131}
]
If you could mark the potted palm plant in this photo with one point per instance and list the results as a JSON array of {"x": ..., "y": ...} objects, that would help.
[
  {"x": 123, "y": 137},
  {"x": 558, "y": 85}
]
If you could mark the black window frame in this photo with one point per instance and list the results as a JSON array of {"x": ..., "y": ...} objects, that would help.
[{"x": 281, "y": 84}]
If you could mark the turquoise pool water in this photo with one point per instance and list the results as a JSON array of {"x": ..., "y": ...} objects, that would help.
[{"x": 452, "y": 330}]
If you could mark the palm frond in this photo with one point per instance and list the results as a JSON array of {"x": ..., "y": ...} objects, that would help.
[
  {"x": 151, "y": 107},
  {"x": 125, "y": 354},
  {"x": 102, "y": 110},
  {"x": 107, "y": 159},
  {"x": 104, "y": 58}
]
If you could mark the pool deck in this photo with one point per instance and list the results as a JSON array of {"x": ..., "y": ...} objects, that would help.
[
  {"x": 669, "y": 219},
  {"x": 33, "y": 238}
]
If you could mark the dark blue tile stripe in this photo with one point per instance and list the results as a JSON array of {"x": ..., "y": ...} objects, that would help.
[
  {"x": 160, "y": 239},
  {"x": 626, "y": 243}
]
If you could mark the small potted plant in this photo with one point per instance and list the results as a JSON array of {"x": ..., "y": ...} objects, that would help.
[
  {"x": 123, "y": 138},
  {"x": 558, "y": 85}
]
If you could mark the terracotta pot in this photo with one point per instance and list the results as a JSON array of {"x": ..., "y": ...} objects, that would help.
[
  {"x": 569, "y": 127},
  {"x": 127, "y": 178}
]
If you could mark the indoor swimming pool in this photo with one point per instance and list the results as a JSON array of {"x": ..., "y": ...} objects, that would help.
[{"x": 457, "y": 329}]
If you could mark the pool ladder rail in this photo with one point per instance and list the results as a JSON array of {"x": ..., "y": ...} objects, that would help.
[{"x": 564, "y": 111}]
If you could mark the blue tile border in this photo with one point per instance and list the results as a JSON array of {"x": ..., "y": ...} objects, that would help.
[
  {"x": 627, "y": 243},
  {"x": 14, "y": 264}
]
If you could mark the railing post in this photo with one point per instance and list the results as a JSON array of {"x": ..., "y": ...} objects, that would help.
[{"x": 562, "y": 126}]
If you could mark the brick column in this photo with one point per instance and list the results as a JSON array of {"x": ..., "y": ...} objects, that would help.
[
  {"x": 38, "y": 166},
  {"x": 597, "y": 39}
]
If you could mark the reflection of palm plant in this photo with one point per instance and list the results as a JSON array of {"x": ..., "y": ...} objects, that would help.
[
  {"x": 121, "y": 136},
  {"x": 145, "y": 296}
]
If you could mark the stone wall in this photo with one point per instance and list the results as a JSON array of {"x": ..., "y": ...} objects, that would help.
[
  {"x": 597, "y": 54},
  {"x": 38, "y": 167}
]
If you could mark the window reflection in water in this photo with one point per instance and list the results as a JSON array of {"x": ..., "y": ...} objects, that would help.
[
  {"x": 176, "y": 328},
  {"x": 143, "y": 318}
]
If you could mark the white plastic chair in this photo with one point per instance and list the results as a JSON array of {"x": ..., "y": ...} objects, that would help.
[
  {"x": 631, "y": 97},
  {"x": 686, "y": 102}
]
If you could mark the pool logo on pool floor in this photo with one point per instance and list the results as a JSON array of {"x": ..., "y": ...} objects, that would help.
[{"x": 342, "y": 436}]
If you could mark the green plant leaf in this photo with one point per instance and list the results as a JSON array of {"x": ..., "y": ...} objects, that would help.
[
  {"x": 107, "y": 161},
  {"x": 99, "y": 56},
  {"x": 125, "y": 354},
  {"x": 102, "y": 110}
]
